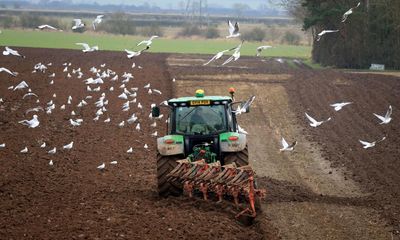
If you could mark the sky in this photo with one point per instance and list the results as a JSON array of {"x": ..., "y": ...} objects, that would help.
[{"x": 175, "y": 3}]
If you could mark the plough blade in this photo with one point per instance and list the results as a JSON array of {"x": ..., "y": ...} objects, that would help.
[{"x": 224, "y": 180}]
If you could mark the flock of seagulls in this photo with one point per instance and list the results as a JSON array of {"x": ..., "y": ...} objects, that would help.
[
  {"x": 337, "y": 107},
  {"x": 93, "y": 84},
  {"x": 344, "y": 18}
]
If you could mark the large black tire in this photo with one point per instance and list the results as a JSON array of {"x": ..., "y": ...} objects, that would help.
[
  {"x": 165, "y": 164},
  {"x": 241, "y": 158}
]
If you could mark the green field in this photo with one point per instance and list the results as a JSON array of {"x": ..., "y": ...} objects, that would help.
[{"x": 67, "y": 40}]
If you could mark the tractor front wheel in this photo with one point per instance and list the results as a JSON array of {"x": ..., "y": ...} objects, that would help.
[{"x": 165, "y": 164}]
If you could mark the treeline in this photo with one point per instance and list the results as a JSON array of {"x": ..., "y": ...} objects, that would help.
[{"x": 371, "y": 34}]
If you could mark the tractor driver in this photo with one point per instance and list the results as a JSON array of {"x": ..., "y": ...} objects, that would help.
[{"x": 198, "y": 122}]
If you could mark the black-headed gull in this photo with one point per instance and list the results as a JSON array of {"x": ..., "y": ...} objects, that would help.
[
  {"x": 236, "y": 54},
  {"x": 215, "y": 57},
  {"x": 87, "y": 48},
  {"x": 350, "y": 11},
  {"x": 78, "y": 24},
  {"x": 385, "y": 119},
  {"x": 339, "y": 106},
  {"x": 13, "y": 52},
  {"x": 233, "y": 30},
  {"x": 33, "y": 123},
  {"x": 325, "y": 32},
  {"x": 97, "y": 21},
  {"x": 315, "y": 123},
  {"x": 286, "y": 146},
  {"x": 2, "y": 69},
  {"x": 370, "y": 144},
  {"x": 132, "y": 54},
  {"x": 148, "y": 42},
  {"x": 261, "y": 48}
]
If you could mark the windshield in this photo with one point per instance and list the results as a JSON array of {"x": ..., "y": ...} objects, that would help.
[{"x": 200, "y": 120}]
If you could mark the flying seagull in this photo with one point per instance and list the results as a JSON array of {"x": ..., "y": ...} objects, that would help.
[
  {"x": 2, "y": 69},
  {"x": 315, "y": 123},
  {"x": 385, "y": 119},
  {"x": 325, "y": 32},
  {"x": 78, "y": 24},
  {"x": 45, "y": 26},
  {"x": 98, "y": 20},
  {"x": 236, "y": 54},
  {"x": 350, "y": 11},
  {"x": 370, "y": 144},
  {"x": 147, "y": 42},
  {"x": 87, "y": 48},
  {"x": 13, "y": 52},
  {"x": 339, "y": 106},
  {"x": 261, "y": 48},
  {"x": 34, "y": 122},
  {"x": 216, "y": 56},
  {"x": 21, "y": 85},
  {"x": 233, "y": 30},
  {"x": 242, "y": 109},
  {"x": 286, "y": 146},
  {"x": 132, "y": 54}
]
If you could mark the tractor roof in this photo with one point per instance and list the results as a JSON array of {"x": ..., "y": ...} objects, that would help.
[{"x": 211, "y": 98}]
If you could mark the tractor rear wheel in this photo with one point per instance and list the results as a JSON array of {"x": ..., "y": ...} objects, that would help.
[
  {"x": 241, "y": 158},
  {"x": 165, "y": 164}
]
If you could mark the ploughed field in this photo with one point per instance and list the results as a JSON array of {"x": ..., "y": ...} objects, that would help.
[{"x": 349, "y": 192}]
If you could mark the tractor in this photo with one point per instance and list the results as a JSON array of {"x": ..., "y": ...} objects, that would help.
[{"x": 205, "y": 150}]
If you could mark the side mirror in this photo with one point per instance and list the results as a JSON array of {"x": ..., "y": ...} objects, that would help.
[{"x": 155, "y": 112}]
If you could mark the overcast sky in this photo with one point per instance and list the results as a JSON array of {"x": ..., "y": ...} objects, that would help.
[{"x": 175, "y": 3}]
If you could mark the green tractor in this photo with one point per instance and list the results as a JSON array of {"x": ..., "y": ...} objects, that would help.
[{"x": 205, "y": 151}]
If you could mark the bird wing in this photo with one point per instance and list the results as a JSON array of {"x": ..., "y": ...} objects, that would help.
[
  {"x": 364, "y": 143},
  {"x": 284, "y": 143},
  {"x": 94, "y": 25},
  {"x": 212, "y": 59},
  {"x": 231, "y": 28},
  {"x": 389, "y": 112},
  {"x": 248, "y": 102},
  {"x": 236, "y": 28},
  {"x": 380, "y": 117},
  {"x": 358, "y": 4},
  {"x": 311, "y": 119},
  {"x": 84, "y": 45},
  {"x": 142, "y": 42},
  {"x": 77, "y": 21},
  {"x": 228, "y": 60}
]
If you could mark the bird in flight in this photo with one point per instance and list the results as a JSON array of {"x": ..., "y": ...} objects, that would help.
[
  {"x": 78, "y": 24},
  {"x": 385, "y": 119},
  {"x": 132, "y": 54},
  {"x": 45, "y": 26},
  {"x": 2, "y": 69},
  {"x": 339, "y": 106},
  {"x": 325, "y": 32},
  {"x": 370, "y": 144},
  {"x": 236, "y": 54},
  {"x": 148, "y": 42},
  {"x": 261, "y": 48},
  {"x": 87, "y": 48},
  {"x": 286, "y": 146},
  {"x": 350, "y": 11},
  {"x": 233, "y": 30},
  {"x": 315, "y": 123},
  {"x": 13, "y": 52},
  {"x": 97, "y": 21}
]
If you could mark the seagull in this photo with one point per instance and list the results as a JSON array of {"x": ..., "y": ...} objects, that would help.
[
  {"x": 216, "y": 57},
  {"x": 51, "y": 163},
  {"x": 101, "y": 167},
  {"x": 121, "y": 124},
  {"x": 154, "y": 134},
  {"x": 78, "y": 24},
  {"x": 386, "y": 119},
  {"x": 74, "y": 123},
  {"x": 42, "y": 27},
  {"x": 157, "y": 91},
  {"x": 233, "y": 30},
  {"x": 145, "y": 146},
  {"x": 132, "y": 54},
  {"x": 43, "y": 145},
  {"x": 325, "y": 32},
  {"x": 35, "y": 109},
  {"x": 21, "y": 85},
  {"x": 52, "y": 151},
  {"x": 339, "y": 106},
  {"x": 130, "y": 150},
  {"x": 68, "y": 146},
  {"x": 241, "y": 130},
  {"x": 69, "y": 100},
  {"x": 147, "y": 85},
  {"x": 147, "y": 42},
  {"x": 137, "y": 127},
  {"x": 370, "y": 144},
  {"x": 25, "y": 150},
  {"x": 261, "y": 48},
  {"x": 350, "y": 11},
  {"x": 132, "y": 119},
  {"x": 315, "y": 123},
  {"x": 114, "y": 162},
  {"x": 246, "y": 105},
  {"x": 3, "y": 145},
  {"x": 286, "y": 147},
  {"x": 34, "y": 122},
  {"x": 87, "y": 48},
  {"x": 97, "y": 21},
  {"x": 2, "y": 69},
  {"x": 236, "y": 54},
  {"x": 9, "y": 51}
]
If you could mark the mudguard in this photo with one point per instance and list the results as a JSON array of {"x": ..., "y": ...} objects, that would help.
[
  {"x": 232, "y": 141},
  {"x": 170, "y": 145}
]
